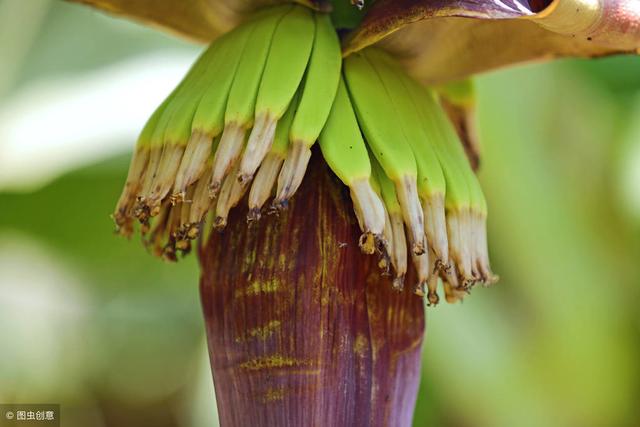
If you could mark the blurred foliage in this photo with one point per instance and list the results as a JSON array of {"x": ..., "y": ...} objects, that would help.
[{"x": 93, "y": 322}]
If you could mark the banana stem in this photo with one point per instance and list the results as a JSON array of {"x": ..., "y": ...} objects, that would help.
[{"x": 302, "y": 330}]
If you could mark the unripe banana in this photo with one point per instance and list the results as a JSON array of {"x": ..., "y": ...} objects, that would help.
[
  {"x": 458, "y": 196},
  {"x": 265, "y": 178},
  {"x": 431, "y": 182},
  {"x": 386, "y": 248},
  {"x": 200, "y": 202},
  {"x": 154, "y": 241},
  {"x": 285, "y": 66},
  {"x": 192, "y": 165},
  {"x": 345, "y": 152},
  {"x": 135, "y": 176},
  {"x": 182, "y": 233},
  {"x": 208, "y": 118},
  {"x": 209, "y": 115},
  {"x": 156, "y": 143},
  {"x": 432, "y": 283},
  {"x": 320, "y": 85},
  {"x": 471, "y": 222},
  {"x": 394, "y": 210},
  {"x": 468, "y": 220},
  {"x": 174, "y": 129},
  {"x": 462, "y": 94},
  {"x": 421, "y": 264},
  {"x": 238, "y": 117},
  {"x": 379, "y": 123},
  {"x": 384, "y": 244},
  {"x": 161, "y": 240},
  {"x": 169, "y": 251},
  {"x": 199, "y": 147},
  {"x": 318, "y": 91},
  {"x": 479, "y": 250},
  {"x": 230, "y": 194}
]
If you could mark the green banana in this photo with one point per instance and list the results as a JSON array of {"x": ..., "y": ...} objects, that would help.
[
  {"x": 137, "y": 170},
  {"x": 155, "y": 146},
  {"x": 208, "y": 119},
  {"x": 200, "y": 202},
  {"x": 157, "y": 233},
  {"x": 465, "y": 221},
  {"x": 398, "y": 252},
  {"x": 319, "y": 89},
  {"x": 321, "y": 83},
  {"x": 478, "y": 229},
  {"x": 230, "y": 194},
  {"x": 284, "y": 69},
  {"x": 378, "y": 121},
  {"x": 177, "y": 139},
  {"x": 169, "y": 250},
  {"x": 460, "y": 218},
  {"x": 182, "y": 233},
  {"x": 345, "y": 152},
  {"x": 240, "y": 107},
  {"x": 432, "y": 283},
  {"x": 386, "y": 248},
  {"x": 462, "y": 95},
  {"x": 174, "y": 130},
  {"x": 431, "y": 181},
  {"x": 162, "y": 238},
  {"x": 385, "y": 243},
  {"x": 421, "y": 265},
  {"x": 267, "y": 174},
  {"x": 209, "y": 116},
  {"x": 459, "y": 195}
]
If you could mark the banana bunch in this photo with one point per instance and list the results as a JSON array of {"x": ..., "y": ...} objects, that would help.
[
  {"x": 243, "y": 122},
  {"x": 252, "y": 105},
  {"x": 390, "y": 135}
]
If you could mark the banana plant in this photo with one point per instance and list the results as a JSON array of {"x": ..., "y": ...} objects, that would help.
[{"x": 308, "y": 318}]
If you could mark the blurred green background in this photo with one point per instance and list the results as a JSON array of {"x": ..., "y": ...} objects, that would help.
[{"x": 91, "y": 321}]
